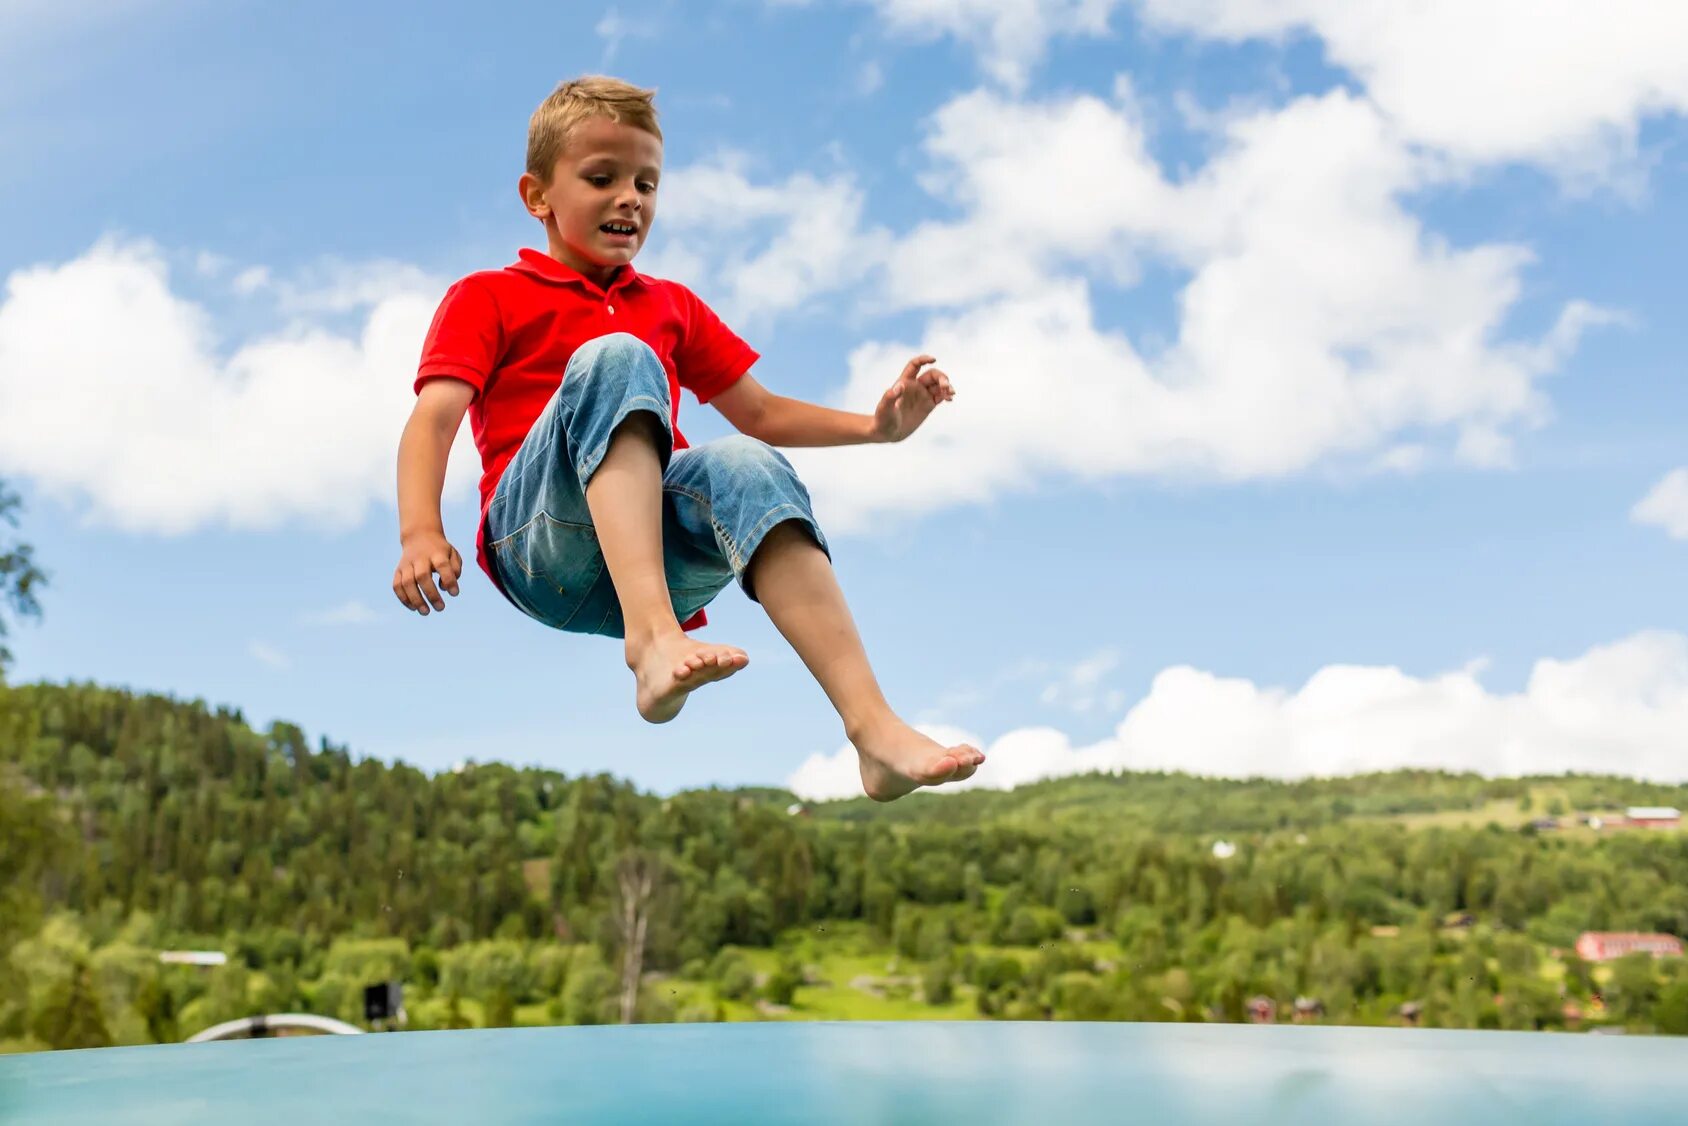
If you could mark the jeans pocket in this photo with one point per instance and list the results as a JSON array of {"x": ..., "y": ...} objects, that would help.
[{"x": 549, "y": 567}]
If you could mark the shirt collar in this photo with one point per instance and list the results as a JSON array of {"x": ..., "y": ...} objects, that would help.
[{"x": 538, "y": 264}]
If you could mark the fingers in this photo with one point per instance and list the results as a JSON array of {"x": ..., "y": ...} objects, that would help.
[
  {"x": 413, "y": 582},
  {"x": 937, "y": 385},
  {"x": 912, "y": 368},
  {"x": 450, "y": 566},
  {"x": 935, "y": 382},
  {"x": 430, "y": 593}
]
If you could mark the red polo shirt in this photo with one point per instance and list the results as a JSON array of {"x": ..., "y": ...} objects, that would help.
[{"x": 509, "y": 334}]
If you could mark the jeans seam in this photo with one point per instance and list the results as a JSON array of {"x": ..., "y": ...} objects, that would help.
[{"x": 768, "y": 521}]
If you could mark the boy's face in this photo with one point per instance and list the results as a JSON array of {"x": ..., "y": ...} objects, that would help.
[{"x": 601, "y": 201}]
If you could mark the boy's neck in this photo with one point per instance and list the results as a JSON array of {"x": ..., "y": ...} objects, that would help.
[{"x": 601, "y": 276}]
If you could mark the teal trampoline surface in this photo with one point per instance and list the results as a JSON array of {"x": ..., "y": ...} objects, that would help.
[{"x": 975, "y": 1072}]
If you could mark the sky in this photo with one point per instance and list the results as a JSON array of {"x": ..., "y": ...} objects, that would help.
[{"x": 1319, "y": 367}]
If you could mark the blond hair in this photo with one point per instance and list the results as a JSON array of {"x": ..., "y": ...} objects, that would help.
[{"x": 578, "y": 100}]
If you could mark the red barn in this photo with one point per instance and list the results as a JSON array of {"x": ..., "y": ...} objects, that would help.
[
  {"x": 1603, "y": 946},
  {"x": 1653, "y": 817}
]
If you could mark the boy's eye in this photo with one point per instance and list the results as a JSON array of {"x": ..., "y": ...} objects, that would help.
[{"x": 647, "y": 187}]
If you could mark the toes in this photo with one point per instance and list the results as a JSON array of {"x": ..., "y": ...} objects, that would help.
[{"x": 942, "y": 769}]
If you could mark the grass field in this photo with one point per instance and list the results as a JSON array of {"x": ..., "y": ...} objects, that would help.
[{"x": 1511, "y": 814}]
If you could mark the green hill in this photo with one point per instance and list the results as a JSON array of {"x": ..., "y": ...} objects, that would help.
[{"x": 132, "y": 823}]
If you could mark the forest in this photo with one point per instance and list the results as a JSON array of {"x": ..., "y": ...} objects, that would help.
[{"x": 134, "y": 824}]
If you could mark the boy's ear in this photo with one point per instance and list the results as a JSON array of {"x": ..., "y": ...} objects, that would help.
[{"x": 532, "y": 190}]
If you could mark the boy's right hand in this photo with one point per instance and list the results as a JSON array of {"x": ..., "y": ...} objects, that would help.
[{"x": 424, "y": 556}]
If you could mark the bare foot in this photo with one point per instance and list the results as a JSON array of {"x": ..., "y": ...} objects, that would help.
[
  {"x": 896, "y": 760},
  {"x": 670, "y": 667}
]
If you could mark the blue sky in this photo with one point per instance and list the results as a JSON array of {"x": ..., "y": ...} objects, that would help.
[{"x": 1320, "y": 397}]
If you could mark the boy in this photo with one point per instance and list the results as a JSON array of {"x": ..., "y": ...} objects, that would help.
[{"x": 596, "y": 517}]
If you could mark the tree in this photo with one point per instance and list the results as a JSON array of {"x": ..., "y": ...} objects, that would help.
[
  {"x": 19, "y": 576},
  {"x": 938, "y": 982},
  {"x": 33, "y": 843},
  {"x": 1670, "y": 1013},
  {"x": 640, "y": 878},
  {"x": 783, "y": 982},
  {"x": 70, "y": 1015}
]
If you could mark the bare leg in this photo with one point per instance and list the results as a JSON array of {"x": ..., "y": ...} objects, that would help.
[
  {"x": 794, "y": 581},
  {"x": 625, "y": 498}
]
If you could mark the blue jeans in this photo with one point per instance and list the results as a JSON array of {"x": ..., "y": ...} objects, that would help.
[{"x": 718, "y": 500}]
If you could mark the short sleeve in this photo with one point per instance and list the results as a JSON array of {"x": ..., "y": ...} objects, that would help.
[
  {"x": 711, "y": 357},
  {"x": 465, "y": 339}
]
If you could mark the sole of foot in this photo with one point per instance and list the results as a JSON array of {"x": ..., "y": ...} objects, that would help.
[
  {"x": 670, "y": 670},
  {"x": 900, "y": 760}
]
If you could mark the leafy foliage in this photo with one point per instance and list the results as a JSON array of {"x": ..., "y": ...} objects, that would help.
[
  {"x": 132, "y": 823},
  {"x": 19, "y": 576}
]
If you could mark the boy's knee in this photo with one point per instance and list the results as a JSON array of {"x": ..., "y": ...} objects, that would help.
[
  {"x": 619, "y": 358},
  {"x": 742, "y": 452},
  {"x": 755, "y": 474}
]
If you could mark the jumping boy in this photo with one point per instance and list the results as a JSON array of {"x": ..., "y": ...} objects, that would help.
[{"x": 596, "y": 517}]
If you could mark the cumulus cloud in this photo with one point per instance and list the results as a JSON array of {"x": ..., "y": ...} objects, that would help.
[
  {"x": 1565, "y": 85},
  {"x": 1620, "y": 708},
  {"x": 1010, "y": 35},
  {"x": 1561, "y": 84},
  {"x": 116, "y": 391},
  {"x": 1320, "y": 321},
  {"x": 1666, "y": 505},
  {"x": 761, "y": 249}
]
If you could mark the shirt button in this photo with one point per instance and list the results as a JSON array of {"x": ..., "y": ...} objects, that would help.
[{"x": 612, "y": 310}]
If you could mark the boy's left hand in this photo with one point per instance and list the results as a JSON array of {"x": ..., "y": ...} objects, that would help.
[{"x": 912, "y": 397}]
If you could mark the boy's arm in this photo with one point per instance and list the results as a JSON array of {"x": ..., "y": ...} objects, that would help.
[
  {"x": 781, "y": 421},
  {"x": 423, "y": 450}
]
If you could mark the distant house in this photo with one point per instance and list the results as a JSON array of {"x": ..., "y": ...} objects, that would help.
[
  {"x": 1411, "y": 1012},
  {"x": 1653, "y": 817},
  {"x": 1545, "y": 824},
  {"x": 193, "y": 957},
  {"x": 1261, "y": 1010},
  {"x": 1308, "y": 1009},
  {"x": 1603, "y": 946}
]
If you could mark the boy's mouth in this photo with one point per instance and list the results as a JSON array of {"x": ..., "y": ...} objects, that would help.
[{"x": 622, "y": 229}]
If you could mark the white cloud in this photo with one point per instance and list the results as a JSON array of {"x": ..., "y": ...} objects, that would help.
[
  {"x": 115, "y": 390},
  {"x": 870, "y": 78},
  {"x": 1666, "y": 505},
  {"x": 613, "y": 27},
  {"x": 1082, "y": 687},
  {"x": 761, "y": 249},
  {"x": 251, "y": 280},
  {"x": 269, "y": 656},
  {"x": 1010, "y": 35},
  {"x": 346, "y": 614},
  {"x": 1620, "y": 708},
  {"x": 1321, "y": 322},
  {"x": 1563, "y": 83}
]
